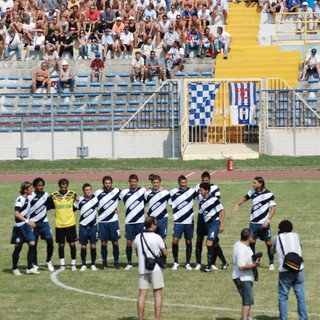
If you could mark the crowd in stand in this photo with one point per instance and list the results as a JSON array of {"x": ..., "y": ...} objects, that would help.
[{"x": 51, "y": 29}]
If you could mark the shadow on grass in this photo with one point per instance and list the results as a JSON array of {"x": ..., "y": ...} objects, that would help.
[
  {"x": 223, "y": 318},
  {"x": 266, "y": 318},
  {"x": 128, "y": 318}
]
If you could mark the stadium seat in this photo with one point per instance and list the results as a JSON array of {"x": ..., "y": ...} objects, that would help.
[
  {"x": 12, "y": 87},
  {"x": 45, "y": 120},
  {"x": 13, "y": 78},
  {"x": 137, "y": 84},
  {"x": 194, "y": 74},
  {"x": 74, "y": 119},
  {"x": 313, "y": 80},
  {"x": 33, "y": 120},
  {"x": 26, "y": 86},
  {"x": 105, "y": 110},
  {"x": 76, "y": 111},
  {"x": 124, "y": 75},
  {"x": 61, "y": 119},
  {"x": 88, "y": 119},
  {"x": 35, "y": 112},
  {"x": 27, "y": 78},
  {"x": 81, "y": 84},
  {"x": 110, "y": 75},
  {"x": 93, "y": 94},
  {"x": 135, "y": 93},
  {"x": 6, "y": 113},
  {"x": 92, "y": 103},
  {"x": 83, "y": 75},
  {"x": 8, "y": 104},
  {"x": 25, "y": 96},
  {"x": 79, "y": 95},
  {"x": 62, "y": 111},
  {"x": 105, "y": 103},
  {"x": 21, "y": 112},
  {"x": 31, "y": 129},
  {"x": 123, "y": 84},
  {"x": 102, "y": 127},
  {"x": 73, "y": 128},
  {"x": 4, "y": 121},
  {"x": 108, "y": 84},
  {"x": 150, "y": 83},
  {"x": 122, "y": 93},
  {"x": 3, "y": 129},
  {"x": 207, "y": 73},
  {"x": 180, "y": 74},
  {"x": 95, "y": 84},
  {"x": 78, "y": 104},
  {"x": 64, "y": 104},
  {"x": 90, "y": 111},
  {"x": 2, "y": 78},
  {"x": 88, "y": 128},
  {"x": 36, "y": 104},
  {"x": 65, "y": 95},
  {"x": 59, "y": 128}
]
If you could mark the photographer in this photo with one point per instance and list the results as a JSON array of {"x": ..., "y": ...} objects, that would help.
[
  {"x": 145, "y": 241},
  {"x": 290, "y": 242},
  {"x": 243, "y": 270}
]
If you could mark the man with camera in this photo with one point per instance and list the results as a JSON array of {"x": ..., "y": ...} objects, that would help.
[
  {"x": 285, "y": 244},
  {"x": 244, "y": 265},
  {"x": 148, "y": 246}
]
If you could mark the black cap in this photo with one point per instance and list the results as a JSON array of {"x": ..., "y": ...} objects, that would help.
[{"x": 314, "y": 50}]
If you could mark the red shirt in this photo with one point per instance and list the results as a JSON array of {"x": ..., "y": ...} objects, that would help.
[
  {"x": 93, "y": 16},
  {"x": 97, "y": 64}
]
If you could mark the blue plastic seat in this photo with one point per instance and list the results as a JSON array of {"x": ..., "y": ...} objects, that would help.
[
  {"x": 88, "y": 119},
  {"x": 106, "y": 103},
  {"x": 194, "y": 74},
  {"x": 105, "y": 110},
  {"x": 83, "y": 75},
  {"x": 74, "y": 119},
  {"x": 103, "y": 119},
  {"x": 88, "y": 128},
  {"x": 78, "y": 104},
  {"x": 73, "y": 128},
  {"x": 108, "y": 84},
  {"x": 61, "y": 119},
  {"x": 76, "y": 111},
  {"x": 36, "y": 104},
  {"x": 8, "y": 105},
  {"x": 102, "y": 127},
  {"x": 90, "y": 111},
  {"x": 31, "y": 129},
  {"x": 95, "y": 84},
  {"x": 124, "y": 75},
  {"x": 59, "y": 128},
  {"x": 62, "y": 111},
  {"x": 81, "y": 84},
  {"x": 110, "y": 75}
]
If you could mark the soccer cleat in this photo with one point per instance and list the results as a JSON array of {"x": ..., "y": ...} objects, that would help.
[
  {"x": 73, "y": 267},
  {"x": 83, "y": 267},
  {"x": 117, "y": 266},
  {"x": 207, "y": 269},
  {"x": 198, "y": 266},
  {"x": 175, "y": 266},
  {"x": 104, "y": 266},
  {"x": 62, "y": 268},
  {"x": 93, "y": 267},
  {"x": 188, "y": 266},
  {"x": 16, "y": 272},
  {"x": 50, "y": 266},
  {"x": 35, "y": 267},
  {"x": 128, "y": 267},
  {"x": 225, "y": 265},
  {"x": 32, "y": 271},
  {"x": 213, "y": 267},
  {"x": 271, "y": 266}
]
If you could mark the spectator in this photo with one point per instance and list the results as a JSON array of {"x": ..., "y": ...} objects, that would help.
[
  {"x": 150, "y": 12},
  {"x": 167, "y": 68},
  {"x": 152, "y": 67},
  {"x": 94, "y": 43},
  {"x": 204, "y": 16},
  {"x": 126, "y": 42},
  {"x": 317, "y": 15},
  {"x": 53, "y": 39},
  {"x": 63, "y": 18},
  {"x": 305, "y": 14},
  {"x": 274, "y": 7},
  {"x": 222, "y": 40},
  {"x": 169, "y": 38},
  {"x": 66, "y": 77},
  {"x": 127, "y": 13},
  {"x": 108, "y": 44},
  {"x": 133, "y": 28},
  {"x": 219, "y": 7},
  {"x": 177, "y": 56},
  {"x": 4, "y": 4},
  {"x": 109, "y": 16},
  {"x": 146, "y": 29},
  {"x": 58, "y": 3},
  {"x": 66, "y": 44},
  {"x": 83, "y": 46},
  {"x": 195, "y": 22},
  {"x": 28, "y": 29},
  {"x": 311, "y": 64},
  {"x": 97, "y": 68},
  {"x": 102, "y": 26},
  {"x": 187, "y": 13},
  {"x": 173, "y": 13},
  {"x": 77, "y": 16},
  {"x": 118, "y": 28},
  {"x": 92, "y": 16},
  {"x": 163, "y": 28},
  {"x": 137, "y": 67},
  {"x": 207, "y": 43},
  {"x": 55, "y": 25},
  {"x": 12, "y": 43},
  {"x": 73, "y": 3},
  {"x": 38, "y": 45},
  {"x": 8, "y": 17},
  {"x": 290, "y": 6},
  {"x": 117, "y": 7},
  {"x": 180, "y": 27},
  {"x": 159, "y": 4},
  {"x": 141, "y": 5},
  {"x": 51, "y": 57},
  {"x": 41, "y": 78},
  {"x": 73, "y": 29},
  {"x": 17, "y": 26},
  {"x": 193, "y": 42},
  {"x": 146, "y": 48}
]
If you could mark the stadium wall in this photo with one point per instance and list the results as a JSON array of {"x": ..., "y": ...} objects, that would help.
[
  {"x": 127, "y": 144},
  {"x": 292, "y": 142}
]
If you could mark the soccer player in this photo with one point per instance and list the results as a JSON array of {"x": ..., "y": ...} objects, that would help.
[
  {"x": 62, "y": 201},
  {"x": 87, "y": 204},
  {"x": 157, "y": 200},
  {"x": 181, "y": 200},
  {"x": 263, "y": 210},
  {"x": 133, "y": 199},
  {"x": 22, "y": 230},
  {"x": 108, "y": 198},
  {"x": 213, "y": 214},
  {"x": 202, "y": 231},
  {"x": 39, "y": 202}
]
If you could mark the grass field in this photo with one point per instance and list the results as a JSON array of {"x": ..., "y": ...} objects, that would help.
[{"x": 111, "y": 294}]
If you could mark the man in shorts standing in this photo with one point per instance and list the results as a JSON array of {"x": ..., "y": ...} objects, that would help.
[
  {"x": 263, "y": 210},
  {"x": 62, "y": 201},
  {"x": 88, "y": 231},
  {"x": 242, "y": 275},
  {"x": 181, "y": 200},
  {"x": 23, "y": 230},
  {"x": 108, "y": 198},
  {"x": 133, "y": 199},
  {"x": 150, "y": 277},
  {"x": 39, "y": 201}
]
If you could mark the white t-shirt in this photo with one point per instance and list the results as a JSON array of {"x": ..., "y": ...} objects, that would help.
[
  {"x": 157, "y": 5},
  {"x": 155, "y": 244},
  {"x": 137, "y": 63},
  {"x": 172, "y": 16},
  {"x": 126, "y": 38},
  {"x": 242, "y": 255},
  {"x": 204, "y": 15},
  {"x": 224, "y": 36},
  {"x": 313, "y": 59}
]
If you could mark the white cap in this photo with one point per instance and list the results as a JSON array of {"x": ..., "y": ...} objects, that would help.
[
  {"x": 118, "y": 18},
  {"x": 304, "y": 3},
  {"x": 131, "y": 18},
  {"x": 65, "y": 63}
]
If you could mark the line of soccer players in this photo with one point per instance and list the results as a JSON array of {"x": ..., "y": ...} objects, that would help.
[{"x": 99, "y": 220}]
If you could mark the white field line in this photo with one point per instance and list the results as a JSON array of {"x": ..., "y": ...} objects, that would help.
[
  {"x": 190, "y": 174},
  {"x": 56, "y": 281}
]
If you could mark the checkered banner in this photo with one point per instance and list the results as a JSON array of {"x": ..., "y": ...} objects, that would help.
[
  {"x": 242, "y": 93},
  {"x": 202, "y": 102}
]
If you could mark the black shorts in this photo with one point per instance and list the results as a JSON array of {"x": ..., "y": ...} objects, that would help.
[
  {"x": 39, "y": 83},
  {"x": 68, "y": 233}
]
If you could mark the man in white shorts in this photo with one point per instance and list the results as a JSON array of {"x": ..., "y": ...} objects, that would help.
[{"x": 150, "y": 244}]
